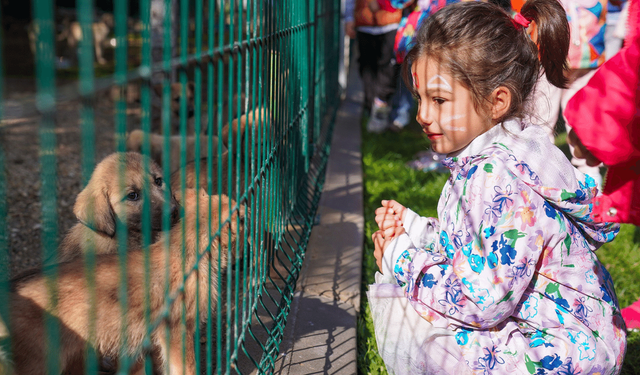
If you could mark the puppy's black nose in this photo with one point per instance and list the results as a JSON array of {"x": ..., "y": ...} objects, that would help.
[{"x": 174, "y": 213}]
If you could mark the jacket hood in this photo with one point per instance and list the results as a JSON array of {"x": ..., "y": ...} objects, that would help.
[{"x": 550, "y": 174}]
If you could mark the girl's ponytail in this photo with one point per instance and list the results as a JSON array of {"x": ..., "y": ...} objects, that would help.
[{"x": 551, "y": 35}]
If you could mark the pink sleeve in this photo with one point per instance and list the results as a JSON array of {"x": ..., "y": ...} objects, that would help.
[{"x": 609, "y": 101}]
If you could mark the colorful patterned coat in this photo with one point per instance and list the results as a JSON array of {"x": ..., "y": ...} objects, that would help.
[
  {"x": 411, "y": 21},
  {"x": 510, "y": 265},
  {"x": 587, "y": 22}
]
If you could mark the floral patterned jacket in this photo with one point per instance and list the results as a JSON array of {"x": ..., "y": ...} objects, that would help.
[{"x": 510, "y": 264}]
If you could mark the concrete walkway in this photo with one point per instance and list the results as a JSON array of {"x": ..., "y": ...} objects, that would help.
[{"x": 320, "y": 337}]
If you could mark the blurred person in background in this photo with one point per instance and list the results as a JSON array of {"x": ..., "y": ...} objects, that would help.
[{"x": 373, "y": 23}]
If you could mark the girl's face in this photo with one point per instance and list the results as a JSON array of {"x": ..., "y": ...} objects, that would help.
[{"x": 445, "y": 109}]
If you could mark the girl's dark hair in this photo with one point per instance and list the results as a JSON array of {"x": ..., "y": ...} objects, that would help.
[{"x": 483, "y": 48}]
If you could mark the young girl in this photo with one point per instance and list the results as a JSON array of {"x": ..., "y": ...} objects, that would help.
[{"x": 506, "y": 280}]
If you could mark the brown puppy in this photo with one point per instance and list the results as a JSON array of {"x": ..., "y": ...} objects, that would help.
[
  {"x": 156, "y": 141},
  {"x": 135, "y": 141},
  {"x": 108, "y": 199},
  {"x": 239, "y": 128},
  {"x": 224, "y": 163},
  {"x": 30, "y": 296},
  {"x": 257, "y": 116},
  {"x": 177, "y": 92},
  {"x": 192, "y": 181},
  {"x": 132, "y": 92}
]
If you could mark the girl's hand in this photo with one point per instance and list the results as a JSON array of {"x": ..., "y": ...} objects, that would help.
[
  {"x": 381, "y": 241},
  {"x": 390, "y": 215},
  {"x": 580, "y": 151}
]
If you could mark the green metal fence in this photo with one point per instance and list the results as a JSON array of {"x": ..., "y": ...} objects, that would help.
[{"x": 242, "y": 94}]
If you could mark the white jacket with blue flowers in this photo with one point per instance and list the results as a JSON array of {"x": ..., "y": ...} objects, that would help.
[{"x": 510, "y": 265}]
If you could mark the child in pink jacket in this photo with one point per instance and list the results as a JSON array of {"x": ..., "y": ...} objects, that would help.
[{"x": 606, "y": 122}]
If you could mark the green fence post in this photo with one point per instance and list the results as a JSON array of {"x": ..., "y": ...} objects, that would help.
[
  {"x": 86, "y": 88},
  {"x": 46, "y": 105},
  {"x": 5, "y": 256}
]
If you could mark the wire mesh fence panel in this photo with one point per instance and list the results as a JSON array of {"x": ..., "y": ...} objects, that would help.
[{"x": 161, "y": 166}]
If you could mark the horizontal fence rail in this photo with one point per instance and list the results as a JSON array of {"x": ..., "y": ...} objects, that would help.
[{"x": 161, "y": 163}]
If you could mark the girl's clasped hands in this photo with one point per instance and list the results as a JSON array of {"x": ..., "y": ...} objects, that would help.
[{"x": 389, "y": 219}]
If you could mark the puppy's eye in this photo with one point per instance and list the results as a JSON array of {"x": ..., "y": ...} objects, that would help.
[
  {"x": 158, "y": 181},
  {"x": 133, "y": 196}
]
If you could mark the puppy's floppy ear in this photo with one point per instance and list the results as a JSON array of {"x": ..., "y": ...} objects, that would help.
[
  {"x": 93, "y": 209},
  {"x": 134, "y": 140}
]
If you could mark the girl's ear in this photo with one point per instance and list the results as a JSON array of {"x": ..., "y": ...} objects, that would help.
[{"x": 500, "y": 102}]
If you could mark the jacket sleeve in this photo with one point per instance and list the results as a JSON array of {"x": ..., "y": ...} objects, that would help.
[
  {"x": 420, "y": 233},
  {"x": 421, "y": 230},
  {"x": 610, "y": 98},
  {"x": 486, "y": 254}
]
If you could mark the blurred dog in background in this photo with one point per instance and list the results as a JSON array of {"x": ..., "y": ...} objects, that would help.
[
  {"x": 69, "y": 35},
  {"x": 238, "y": 128},
  {"x": 135, "y": 141}
]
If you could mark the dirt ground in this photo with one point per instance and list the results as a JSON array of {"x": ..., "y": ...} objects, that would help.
[{"x": 20, "y": 141}]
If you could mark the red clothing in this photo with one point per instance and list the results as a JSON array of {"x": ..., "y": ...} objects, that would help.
[
  {"x": 605, "y": 115},
  {"x": 365, "y": 17}
]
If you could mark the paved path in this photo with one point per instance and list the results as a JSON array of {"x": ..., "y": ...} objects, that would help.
[{"x": 320, "y": 337}]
